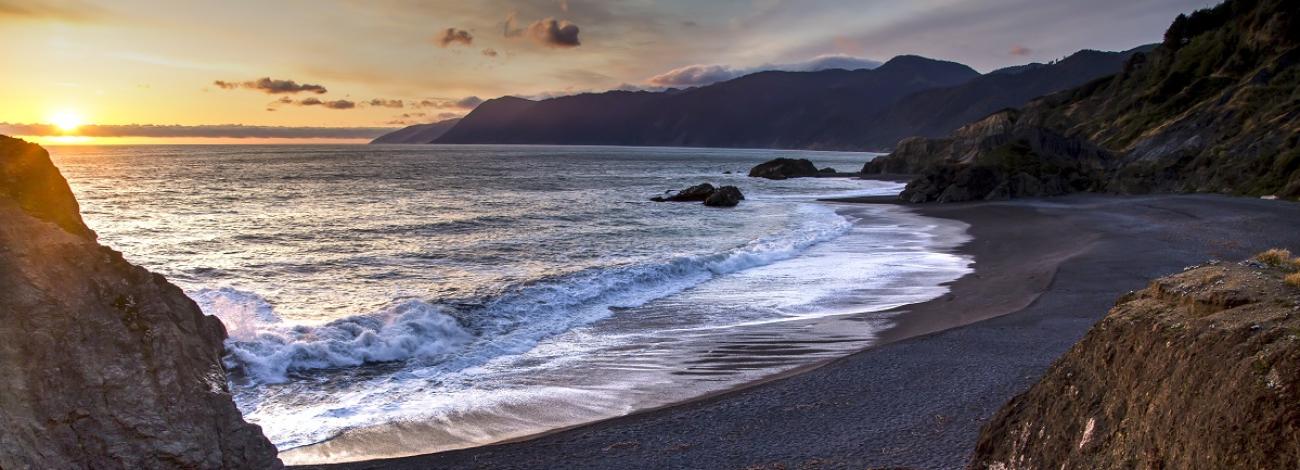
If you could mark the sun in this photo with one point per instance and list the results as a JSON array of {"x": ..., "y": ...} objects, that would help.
[{"x": 66, "y": 121}]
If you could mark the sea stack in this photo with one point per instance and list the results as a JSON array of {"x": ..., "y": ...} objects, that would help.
[
  {"x": 782, "y": 168},
  {"x": 106, "y": 364},
  {"x": 1196, "y": 371}
]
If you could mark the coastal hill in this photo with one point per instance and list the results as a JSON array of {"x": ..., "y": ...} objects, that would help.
[
  {"x": 106, "y": 365},
  {"x": 829, "y": 109},
  {"x": 417, "y": 134},
  {"x": 1214, "y": 108},
  {"x": 766, "y": 109},
  {"x": 1196, "y": 371}
]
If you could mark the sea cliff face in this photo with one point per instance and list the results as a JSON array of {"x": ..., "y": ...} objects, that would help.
[
  {"x": 1196, "y": 371},
  {"x": 106, "y": 365}
]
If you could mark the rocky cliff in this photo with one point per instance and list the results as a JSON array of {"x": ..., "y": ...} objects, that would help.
[
  {"x": 106, "y": 365},
  {"x": 1196, "y": 371},
  {"x": 1214, "y": 108}
]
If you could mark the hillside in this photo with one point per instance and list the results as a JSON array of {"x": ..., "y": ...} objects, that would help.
[
  {"x": 1214, "y": 108},
  {"x": 417, "y": 134},
  {"x": 939, "y": 112},
  {"x": 766, "y": 110},
  {"x": 829, "y": 109}
]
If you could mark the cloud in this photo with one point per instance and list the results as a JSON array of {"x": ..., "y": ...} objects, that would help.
[
  {"x": 468, "y": 102},
  {"x": 57, "y": 10},
  {"x": 336, "y": 104},
  {"x": 271, "y": 86},
  {"x": 1019, "y": 51},
  {"x": 548, "y": 32},
  {"x": 455, "y": 36},
  {"x": 695, "y": 75},
  {"x": 704, "y": 74},
  {"x": 490, "y": 52},
  {"x": 554, "y": 33},
  {"x": 237, "y": 131},
  {"x": 383, "y": 103},
  {"x": 445, "y": 116}
]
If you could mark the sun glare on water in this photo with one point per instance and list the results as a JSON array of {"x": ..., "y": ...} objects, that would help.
[{"x": 66, "y": 121}]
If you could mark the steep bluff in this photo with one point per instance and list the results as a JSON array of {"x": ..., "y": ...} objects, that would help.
[
  {"x": 1214, "y": 108},
  {"x": 1198, "y": 370},
  {"x": 106, "y": 365}
]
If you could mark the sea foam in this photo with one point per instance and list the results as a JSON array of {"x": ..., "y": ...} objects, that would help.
[{"x": 452, "y": 337}]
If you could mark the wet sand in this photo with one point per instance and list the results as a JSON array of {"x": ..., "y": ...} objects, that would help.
[{"x": 1045, "y": 271}]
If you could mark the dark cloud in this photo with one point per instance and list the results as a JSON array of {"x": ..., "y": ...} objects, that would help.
[
  {"x": 1020, "y": 51},
  {"x": 455, "y": 36},
  {"x": 704, "y": 74},
  {"x": 490, "y": 52},
  {"x": 383, "y": 103},
  {"x": 445, "y": 116},
  {"x": 224, "y": 130},
  {"x": 549, "y": 32},
  {"x": 554, "y": 33},
  {"x": 271, "y": 86},
  {"x": 336, "y": 104}
]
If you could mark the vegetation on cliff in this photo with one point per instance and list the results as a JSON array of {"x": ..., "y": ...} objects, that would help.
[{"x": 1214, "y": 108}]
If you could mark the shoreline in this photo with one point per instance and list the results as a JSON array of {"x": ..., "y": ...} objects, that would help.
[
  {"x": 822, "y": 338},
  {"x": 1022, "y": 250}
]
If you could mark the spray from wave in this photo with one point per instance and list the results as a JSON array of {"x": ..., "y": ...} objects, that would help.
[{"x": 453, "y": 337}]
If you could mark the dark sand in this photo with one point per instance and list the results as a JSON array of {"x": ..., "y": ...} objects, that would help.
[{"x": 1045, "y": 271}]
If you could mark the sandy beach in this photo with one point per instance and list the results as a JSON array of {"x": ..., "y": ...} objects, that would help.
[{"x": 1045, "y": 271}]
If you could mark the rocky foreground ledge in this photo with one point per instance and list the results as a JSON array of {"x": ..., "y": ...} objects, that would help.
[
  {"x": 1199, "y": 370},
  {"x": 105, "y": 365}
]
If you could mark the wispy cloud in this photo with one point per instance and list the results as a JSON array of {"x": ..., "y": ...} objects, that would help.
[
  {"x": 335, "y": 104},
  {"x": 223, "y": 131},
  {"x": 56, "y": 10},
  {"x": 704, "y": 74},
  {"x": 271, "y": 86},
  {"x": 468, "y": 102}
]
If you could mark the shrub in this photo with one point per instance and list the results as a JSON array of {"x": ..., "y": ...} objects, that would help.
[
  {"x": 1293, "y": 279},
  {"x": 1275, "y": 257}
]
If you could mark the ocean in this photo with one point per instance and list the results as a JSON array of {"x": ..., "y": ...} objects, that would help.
[{"x": 393, "y": 300}]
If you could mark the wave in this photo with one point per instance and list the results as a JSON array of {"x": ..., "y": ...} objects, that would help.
[{"x": 455, "y": 334}]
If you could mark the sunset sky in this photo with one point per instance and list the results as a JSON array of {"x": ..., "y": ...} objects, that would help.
[{"x": 341, "y": 69}]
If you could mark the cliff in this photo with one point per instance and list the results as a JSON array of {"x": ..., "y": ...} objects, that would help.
[
  {"x": 1198, "y": 370},
  {"x": 1212, "y": 109},
  {"x": 106, "y": 365}
]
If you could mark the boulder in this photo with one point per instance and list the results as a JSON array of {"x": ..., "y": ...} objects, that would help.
[
  {"x": 826, "y": 171},
  {"x": 726, "y": 196},
  {"x": 106, "y": 365},
  {"x": 783, "y": 168},
  {"x": 1198, "y": 370},
  {"x": 695, "y": 193}
]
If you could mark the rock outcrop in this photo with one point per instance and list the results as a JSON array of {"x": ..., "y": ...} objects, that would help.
[
  {"x": 1212, "y": 109},
  {"x": 106, "y": 365},
  {"x": 695, "y": 193},
  {"x": 726, "y": 196},
  {"x": 1199, "y": 370},
  {"x": 782, "y": 168}
]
